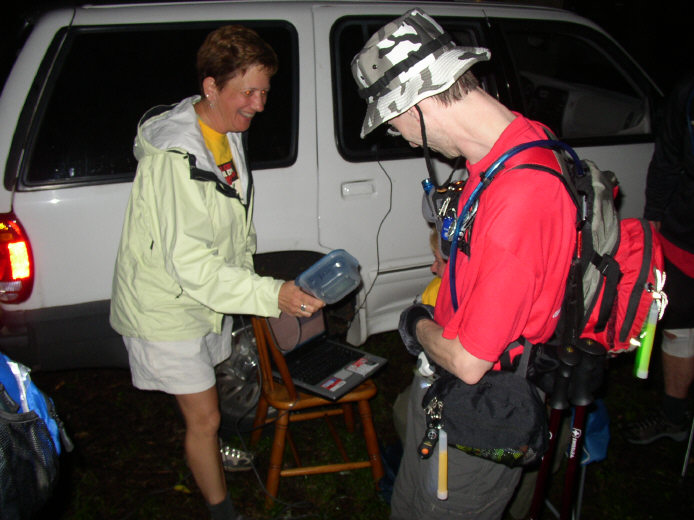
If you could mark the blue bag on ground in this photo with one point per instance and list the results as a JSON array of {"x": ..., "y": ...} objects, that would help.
[
  {"x": 596, "y": 433},
  {"x": 31, "y": 437}
]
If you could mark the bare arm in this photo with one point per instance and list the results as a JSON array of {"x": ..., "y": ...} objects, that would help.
[{"x": 450, "y": 354}]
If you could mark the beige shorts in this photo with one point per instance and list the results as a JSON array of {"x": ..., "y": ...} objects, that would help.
[
  {"x": 178, "y": 367},
  {"x": 678, "y": 342}
]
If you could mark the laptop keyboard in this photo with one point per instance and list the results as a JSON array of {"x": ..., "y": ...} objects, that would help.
[{"x": 316, "y": 364}]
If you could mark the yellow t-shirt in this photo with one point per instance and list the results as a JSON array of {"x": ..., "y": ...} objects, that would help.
[
  {"x": 218, "y": 144},
  {"x": 431, "y": 292}
]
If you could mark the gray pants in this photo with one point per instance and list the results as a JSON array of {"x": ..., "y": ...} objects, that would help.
[{"x": 478, "y": 489}]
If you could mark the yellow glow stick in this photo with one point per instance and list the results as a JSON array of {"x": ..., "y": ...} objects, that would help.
[{"x": 442, "y": 490}]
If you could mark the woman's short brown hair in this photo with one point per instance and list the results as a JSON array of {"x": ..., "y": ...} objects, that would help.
[{"x": 232, "y": 50}]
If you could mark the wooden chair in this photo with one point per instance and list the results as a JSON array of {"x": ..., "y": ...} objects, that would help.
[{"x": 293, "y": 406}]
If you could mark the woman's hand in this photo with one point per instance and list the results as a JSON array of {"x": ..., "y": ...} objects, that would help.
[{"x": 294, "y": 301}]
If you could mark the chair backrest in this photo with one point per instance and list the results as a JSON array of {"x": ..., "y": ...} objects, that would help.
[{"x": 268, "y": 352}]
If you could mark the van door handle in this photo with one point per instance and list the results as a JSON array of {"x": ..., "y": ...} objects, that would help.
[{"x": 358, "y": 188}]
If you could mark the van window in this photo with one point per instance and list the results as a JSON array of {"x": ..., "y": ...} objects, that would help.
[
  {"x": 107, "y": 78},
  {"x": 577, "y": 81},
  {"x": 347, "y": 38}
]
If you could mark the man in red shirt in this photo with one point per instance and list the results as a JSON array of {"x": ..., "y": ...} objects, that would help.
[{"x": 509, "y": 276}]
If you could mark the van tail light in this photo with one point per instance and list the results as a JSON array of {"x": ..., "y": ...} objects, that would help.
[{"x": 16, "y": 261}]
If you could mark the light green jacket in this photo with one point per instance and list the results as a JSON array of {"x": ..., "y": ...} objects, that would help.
[{"x": 185, "y": 255}]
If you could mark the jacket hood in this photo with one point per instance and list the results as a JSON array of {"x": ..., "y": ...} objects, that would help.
[{"x": 175, "y": 127}]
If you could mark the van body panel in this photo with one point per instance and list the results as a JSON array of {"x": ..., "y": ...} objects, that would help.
[
  {"x": 74, "y": 235},
  {"x": 326, "y": 189}
]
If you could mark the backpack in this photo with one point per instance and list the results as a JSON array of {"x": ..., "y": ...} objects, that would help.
[
  {"x": 31, "y": 436},
  {"x": 617, "y": 273},
  {"x": 620, "y": 268}
]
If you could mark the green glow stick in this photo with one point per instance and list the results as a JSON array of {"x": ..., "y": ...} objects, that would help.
[{"x": 643, "y": 353}]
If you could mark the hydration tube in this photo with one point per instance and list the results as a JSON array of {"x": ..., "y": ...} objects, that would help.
[{"x": 486, "y": 178}]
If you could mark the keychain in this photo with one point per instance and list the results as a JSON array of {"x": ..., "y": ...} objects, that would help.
[{"x": 434, "y": 424}]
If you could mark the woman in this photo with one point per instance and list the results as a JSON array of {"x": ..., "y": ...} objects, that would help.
[{"x": 185, "y": 256}]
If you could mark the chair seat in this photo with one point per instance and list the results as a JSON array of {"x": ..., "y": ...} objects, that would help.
[{"x": 279, "y": 397}]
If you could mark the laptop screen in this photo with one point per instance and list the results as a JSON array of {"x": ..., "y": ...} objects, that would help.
[{"x": 290, "y": 331}]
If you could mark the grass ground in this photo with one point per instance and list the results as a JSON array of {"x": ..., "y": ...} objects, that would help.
[{"x": 128, "y": 462}]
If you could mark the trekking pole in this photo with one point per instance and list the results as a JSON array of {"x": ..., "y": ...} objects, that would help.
[
  {"x": 558, "y": 403},
  {"x": 574, "y": 460},
  {"x": 586, "y": 377},
  {"x": 540, "y": 485}
]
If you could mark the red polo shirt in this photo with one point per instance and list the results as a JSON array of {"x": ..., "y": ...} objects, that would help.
[{"x": 521, "y": 245}]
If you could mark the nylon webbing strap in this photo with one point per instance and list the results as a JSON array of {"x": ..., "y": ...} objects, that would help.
[
  {"x": 505, "y": 358},
  {"x": 609, "y": 268}
]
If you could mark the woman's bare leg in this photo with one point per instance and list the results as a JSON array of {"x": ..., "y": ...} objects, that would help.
[{"x": 202, "y": 418}]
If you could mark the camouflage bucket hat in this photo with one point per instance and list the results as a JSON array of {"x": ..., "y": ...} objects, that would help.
[{"x": 407, "y": 60}]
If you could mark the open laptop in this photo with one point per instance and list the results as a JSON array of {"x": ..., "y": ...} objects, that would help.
[{"x": 317, "y": 364}]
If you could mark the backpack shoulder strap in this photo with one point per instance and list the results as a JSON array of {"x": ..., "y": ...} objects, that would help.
[
  {"x": 486, "y": 178},
  {"x": 564, "y": 176}
]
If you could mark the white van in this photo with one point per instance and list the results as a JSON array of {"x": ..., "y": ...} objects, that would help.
[{"x": 85, "y": 75}]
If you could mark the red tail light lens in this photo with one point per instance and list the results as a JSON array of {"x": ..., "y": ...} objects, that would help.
[{"x": 16, "y": 261}]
